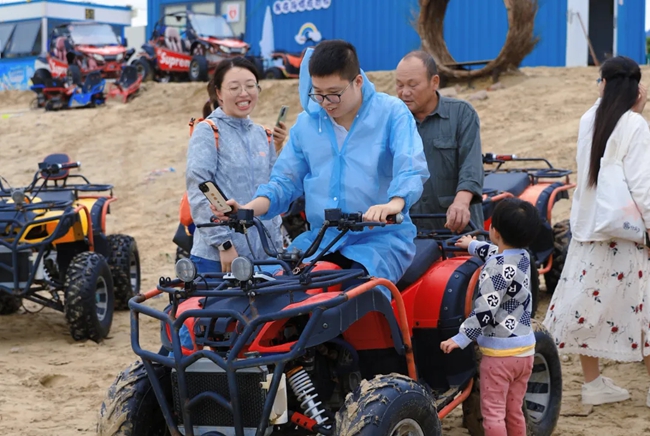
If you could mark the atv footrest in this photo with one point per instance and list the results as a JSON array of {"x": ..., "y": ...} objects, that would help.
[{"x": 203, "y": 376}]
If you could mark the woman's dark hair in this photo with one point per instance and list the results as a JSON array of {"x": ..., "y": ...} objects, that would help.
[
  {"x": 622, "y": 76},
  {"x": 217, "y": 80}
]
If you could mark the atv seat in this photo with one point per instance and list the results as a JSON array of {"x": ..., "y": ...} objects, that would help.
[
  {"x": 92, "y": 80},
  {"x": 128, "y": 77},
  {"x": 58, "y": 158},
  {"x": 512, "y": 182},
  {"x": 427, "y": 251},
  {"x": 56, "y": 196}
]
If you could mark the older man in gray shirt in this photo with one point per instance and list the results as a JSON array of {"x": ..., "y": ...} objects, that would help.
[{"x": 450, "y": 132}]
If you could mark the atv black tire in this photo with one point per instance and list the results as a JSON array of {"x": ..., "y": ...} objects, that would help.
[
  {"x": 130, "y": 407},
  {"x": 89, "y": 316},
  {"x": 562, "y": 238},
  {"x": 73, "y": 75},
  {"x": 274, "y": 73},
  {"x": 543, "y": 395},
  {"x": 9, "y": 304},
  {"x": 386, "y": 404},
  {"x": 143, "y": 68},
  {"x": 198, "y": 69},
  {"x": 124, "y": 261}
]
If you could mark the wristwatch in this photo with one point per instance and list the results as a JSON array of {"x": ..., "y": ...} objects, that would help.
[{"x": 225, "y": 246}]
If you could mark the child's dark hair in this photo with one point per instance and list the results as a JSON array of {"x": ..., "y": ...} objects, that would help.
[
  {"x": 334, "y": 56},
  {"x": 517, "y": 221},
  {"x": 217, "y": 80}
]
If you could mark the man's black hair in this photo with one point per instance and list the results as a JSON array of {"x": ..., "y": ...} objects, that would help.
[
  {"x": 517, "y": 221},
  {"x": 334, "y": 56}
]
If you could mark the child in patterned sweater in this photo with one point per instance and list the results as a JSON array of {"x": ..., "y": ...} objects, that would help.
[{"x": 500, "y": 321}]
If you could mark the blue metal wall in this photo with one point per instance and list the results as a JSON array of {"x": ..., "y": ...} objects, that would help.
[
  {"x": 630, "y": 34},
  {"x": 476, "y": 30},
  {"x": 380, "y": 30}
]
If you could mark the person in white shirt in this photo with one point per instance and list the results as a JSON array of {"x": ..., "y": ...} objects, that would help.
[{"x": 598, "y": 310}]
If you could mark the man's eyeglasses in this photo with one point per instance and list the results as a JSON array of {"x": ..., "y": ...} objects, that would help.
[
  {"x": 332, "y": 98},
  {"x": 250, "y": 88}
]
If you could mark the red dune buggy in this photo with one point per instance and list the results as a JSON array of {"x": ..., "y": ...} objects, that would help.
[
  {"x": 77, "y": 49},
  {"x": 542, "y": 186},
  {"x": 310, "y": 350},
  {"x": 188, "y": 45}
]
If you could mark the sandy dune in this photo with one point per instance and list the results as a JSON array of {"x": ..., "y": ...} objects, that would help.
[{"x": 54, "y": 386}]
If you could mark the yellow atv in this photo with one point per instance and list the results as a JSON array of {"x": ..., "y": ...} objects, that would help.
[{"x": 54, "y": 250}]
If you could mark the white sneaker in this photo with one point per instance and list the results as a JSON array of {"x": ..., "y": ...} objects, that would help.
[{"x": 603, "y": 390}]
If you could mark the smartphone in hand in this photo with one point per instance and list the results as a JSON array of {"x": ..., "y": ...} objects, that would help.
[
  {"x": 215, "y": 196},
  {"x": 283, "y": 115}
]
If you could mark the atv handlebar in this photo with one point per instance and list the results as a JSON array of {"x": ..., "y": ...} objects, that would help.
[
  {"x": 55, "y": 168},
  {"x": 344, "y": 222}
]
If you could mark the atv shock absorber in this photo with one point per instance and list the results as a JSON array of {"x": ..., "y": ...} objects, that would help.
[{"x": 304, "y": 390}]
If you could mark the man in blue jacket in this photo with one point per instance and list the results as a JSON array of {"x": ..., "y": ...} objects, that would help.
[{"x": 351, "y": 148}]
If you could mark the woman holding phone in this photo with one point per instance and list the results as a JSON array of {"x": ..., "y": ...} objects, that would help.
[{"x": 236, "y": 163}]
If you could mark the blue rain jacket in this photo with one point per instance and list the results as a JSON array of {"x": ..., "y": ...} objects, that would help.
[{"x": 382, "y": 157}]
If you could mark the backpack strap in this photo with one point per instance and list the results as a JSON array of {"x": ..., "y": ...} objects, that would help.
[{"x": 208, "y": 121}]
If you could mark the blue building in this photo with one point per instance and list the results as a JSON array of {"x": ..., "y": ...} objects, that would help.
[
  {"x": 382, "y": 30},
  {"x": 25, "y": 26}
]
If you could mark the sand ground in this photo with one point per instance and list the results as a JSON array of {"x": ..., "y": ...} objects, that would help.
[{"x": 54, "y": 386}]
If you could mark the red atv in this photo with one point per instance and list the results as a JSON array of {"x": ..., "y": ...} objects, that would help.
[
  {"x": 311, "y": 349},
  {"x": 188, "y": 45},
  {"x": 285, "y": 65},
  {"x": 542, "y": 187}
]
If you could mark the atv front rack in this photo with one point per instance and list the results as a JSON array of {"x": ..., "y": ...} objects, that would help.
[{"x": 233, "y": 360}]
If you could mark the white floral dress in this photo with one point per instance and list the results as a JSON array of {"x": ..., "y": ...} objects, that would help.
[{"x": 598, "y": 306}]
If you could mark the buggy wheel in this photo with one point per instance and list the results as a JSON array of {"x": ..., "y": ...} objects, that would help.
[
  {"x": 388, "y": 405},
  {"x": 9, "y": 304},
  {"x": 143, "y": 68},
  {"x": 562, "y": 238},
  {"x": 89, "y": 297},
  {"x": 124, "y": 261},
  {"x": 274, "y": 73},
  {"x": 543, "y": 395},
  {"x": 198, "y": 69},
  {"x": 130, "y": 407}
]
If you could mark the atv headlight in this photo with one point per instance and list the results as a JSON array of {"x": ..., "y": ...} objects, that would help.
[
  {"x": 242, "y": 269},
  {"x": 98, "y": 57},
  {"x": 185, "y": 270},
  {"x": 225, "y": 49},
  {"x": 119, "y": 57}
]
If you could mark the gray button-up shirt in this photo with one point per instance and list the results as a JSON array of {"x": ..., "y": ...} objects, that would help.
[{"x": 452, "y": 145}]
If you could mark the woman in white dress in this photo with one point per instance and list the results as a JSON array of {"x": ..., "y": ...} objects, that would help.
[{"x": 598, "y": 310}]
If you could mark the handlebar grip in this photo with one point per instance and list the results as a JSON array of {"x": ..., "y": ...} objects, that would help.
[
  {"x": 395, "y": 219},
  {"x": 69, "y": 165},
  {"x": 505, "y": 157}
]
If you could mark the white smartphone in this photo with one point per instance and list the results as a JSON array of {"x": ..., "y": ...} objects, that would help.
[
  {"x": 283, "y": 115},
  {"x": 215, "y": 196}
]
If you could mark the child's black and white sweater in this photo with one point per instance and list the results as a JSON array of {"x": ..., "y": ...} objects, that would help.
[{"x": 500, "y": 321}]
